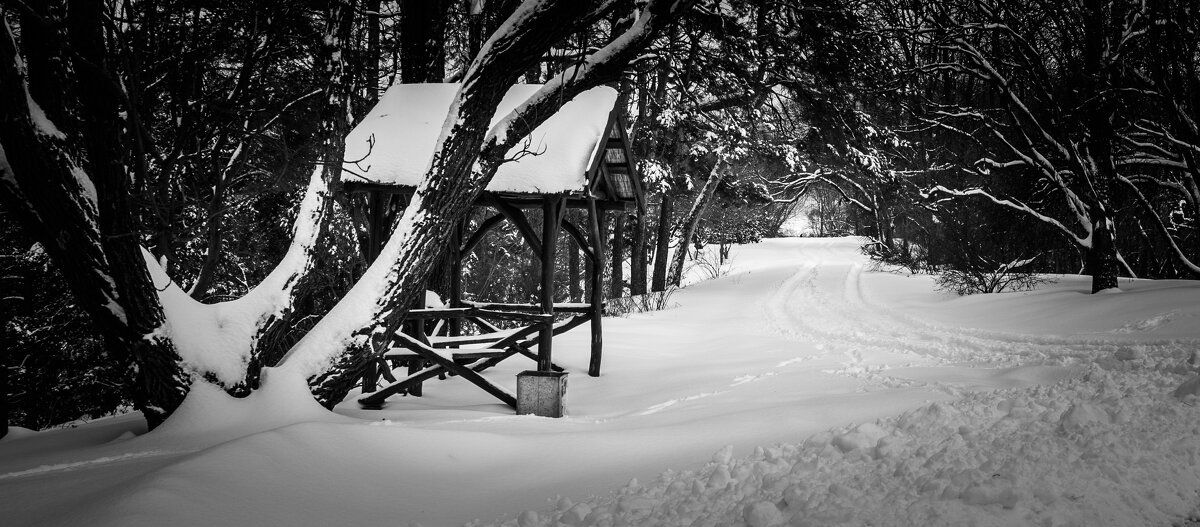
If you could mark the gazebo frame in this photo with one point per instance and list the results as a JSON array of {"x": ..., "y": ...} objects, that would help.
[{"x": 612, "y": 184}]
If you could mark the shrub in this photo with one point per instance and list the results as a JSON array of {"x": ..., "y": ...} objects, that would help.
[
  {"x": 982, "y": 275},
  {"x": 653, "y": 301}
]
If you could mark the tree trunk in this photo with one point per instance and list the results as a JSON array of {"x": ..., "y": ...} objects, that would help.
[
  {"x": 692, "y": 220},
  {"x": 1102, "y": 261},
  {"x": 275, "y": 333},
  {"x": 617, "y": 286},
  {"x": 464, "y": 160},
  {"x": 662, "y": 244},
  {"x": 462, "y": 165},
  {"x": 573, "y": 271},
  {"x": 372, "y": 59},
  {"x": 422, "y": 41},
  {"x": 637, "y": 263},
  {"x": 90, "y": 234}
]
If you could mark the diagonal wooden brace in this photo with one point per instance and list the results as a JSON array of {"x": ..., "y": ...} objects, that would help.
[{"x": 428, "y": 353}]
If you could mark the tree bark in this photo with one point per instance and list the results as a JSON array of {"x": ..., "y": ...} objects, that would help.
[
  {"x": 637, "y": 260},
  {"x": 1098, "y": 166},
  {"x": 422, "y": 41},
  {"x": 617, "y": 285},
  {"x": 69, "y": 187},
  {"x": 692, "y": 220},
  {"x": 573, "y": 271},
  {"x": 274, "y": 335},
  {"x": 662, "y": 244}
]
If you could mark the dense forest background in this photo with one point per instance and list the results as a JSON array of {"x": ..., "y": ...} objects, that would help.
[{"x": 983, "y": 140}]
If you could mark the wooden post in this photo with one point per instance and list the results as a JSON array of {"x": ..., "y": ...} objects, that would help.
[
  {"x": 454, "y": 327},
  {"x": 376, "y": 237},
  {"x": 596, "y": 287},
  {"x": 618, "y": 256},
  {"x": 550, "y": 219},
  {"x": 418, "y": 332}
]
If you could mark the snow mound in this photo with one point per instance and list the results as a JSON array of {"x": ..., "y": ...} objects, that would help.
[
  {"x": 210, "y": 414},
  {"x": 1063, "y": 454}
]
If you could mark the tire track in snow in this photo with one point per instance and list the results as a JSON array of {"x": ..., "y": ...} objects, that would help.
[
  {"x": 825, "y": 302},
  {"x": 88, "y": 463}
]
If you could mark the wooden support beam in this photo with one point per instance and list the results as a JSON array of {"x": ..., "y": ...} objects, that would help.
[
  {"x": 597, "y": 289},
  {"x": 530, "y": 308},
  {"x": 517, "y": 217},
  {"x": 580, "y": 239},
  {"x": 575, "y": 200},
  {"x": 454, "y": 328},
  {"x": 477, "y": 236},
  {"x": 465, "y": 372},
  {"x": 377, "y": 231},
  {"x": 551, "y": 209},
  {"x": 375, "y": 400}
]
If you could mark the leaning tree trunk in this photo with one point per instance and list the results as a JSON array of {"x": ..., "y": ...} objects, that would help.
[
  {"x": 276, "y": 330},
  {"x": 464, "y": 160},
  {"x": 692, "y": 220},
  {"x": 69, "y": 188}
]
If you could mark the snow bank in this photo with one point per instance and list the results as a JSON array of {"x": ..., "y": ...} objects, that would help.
[
  {"x": 1109, "y": 448},
  {"x": 394, "y": 142},
  {"x": 210, "y": 413},
  {"x": 886, "y": 402}
]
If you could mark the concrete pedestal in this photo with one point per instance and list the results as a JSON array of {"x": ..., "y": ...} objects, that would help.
[{"x": 541, "y": 393}]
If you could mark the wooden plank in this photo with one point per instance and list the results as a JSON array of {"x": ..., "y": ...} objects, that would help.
[
  {"x": 375, "y": 400},
  {"x": 483, "y": 325},
  {"x": 473, "y": 311},
  {"x": 480, "y": 354},
  {"x": 565, "y": 307}
]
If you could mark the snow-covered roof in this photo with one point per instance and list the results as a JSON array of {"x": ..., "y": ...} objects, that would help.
[{"x": 409, "y": 117}]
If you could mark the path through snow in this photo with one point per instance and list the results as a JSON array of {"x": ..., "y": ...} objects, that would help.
[{"x": 830, "y": 393}]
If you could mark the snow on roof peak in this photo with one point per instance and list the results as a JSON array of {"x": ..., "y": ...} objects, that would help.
[{"x": 406, "y": 123}]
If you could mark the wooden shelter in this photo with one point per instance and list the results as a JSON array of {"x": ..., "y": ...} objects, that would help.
[{"x": 580, "y": 158}]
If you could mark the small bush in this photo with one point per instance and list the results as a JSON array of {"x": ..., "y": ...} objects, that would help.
[
  {"x": 653, "y": 301},
  {"x": 984, "y": 276},
  {"x": 711, "y": 265},
  {"x": 911, "y": 257}
]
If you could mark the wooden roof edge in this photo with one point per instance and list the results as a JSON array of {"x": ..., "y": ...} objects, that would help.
[{"x": 577, "y": 199}]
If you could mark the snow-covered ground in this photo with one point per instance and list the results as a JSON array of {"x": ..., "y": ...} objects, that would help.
[{"x": 800, "y": 389}]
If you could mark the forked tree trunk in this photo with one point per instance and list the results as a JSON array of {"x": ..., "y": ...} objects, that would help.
[{"x": 275, "y": 331}]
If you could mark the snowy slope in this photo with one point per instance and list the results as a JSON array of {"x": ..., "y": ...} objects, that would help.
[{"x": 844, "y": 396}]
